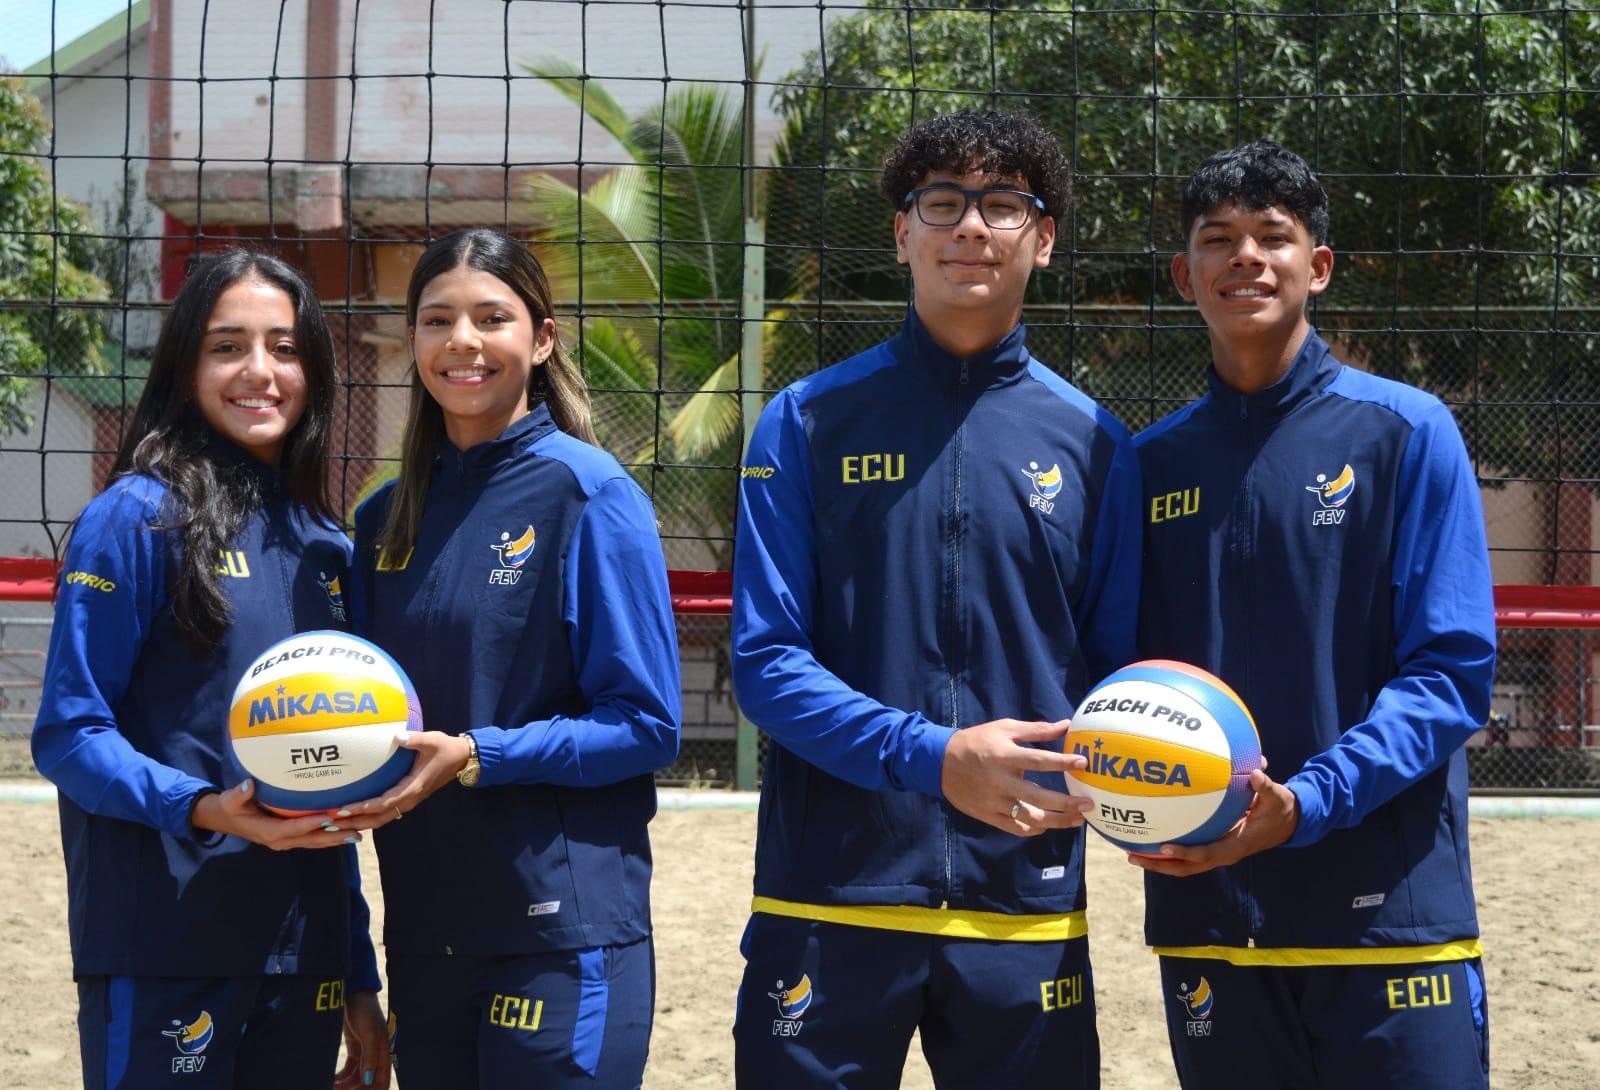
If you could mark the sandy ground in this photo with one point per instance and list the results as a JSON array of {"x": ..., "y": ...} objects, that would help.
[{"x": 1538, "y": 887}]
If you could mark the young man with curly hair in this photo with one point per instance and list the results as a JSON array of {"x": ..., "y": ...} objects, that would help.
[{"x": 937, "y": 556}]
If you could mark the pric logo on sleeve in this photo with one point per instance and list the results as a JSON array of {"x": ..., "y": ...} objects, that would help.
[{"x": 90, "y": 580}]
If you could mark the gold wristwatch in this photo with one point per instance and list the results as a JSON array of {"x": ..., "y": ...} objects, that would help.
[{"x": 468, "y": 776}]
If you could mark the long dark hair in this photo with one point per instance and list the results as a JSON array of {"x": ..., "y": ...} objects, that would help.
[
  {"x": 556, "y": 383},
  {"x": 210, "y": 497}
]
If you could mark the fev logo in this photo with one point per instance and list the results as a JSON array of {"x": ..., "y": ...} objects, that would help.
[
  {"x": 1197, "y": 1001},
  {"x": 793, "y": 1002},
  {"x": 1046, "y": 485},
  {"x": 335, "y": 594},
  {"x": 1332, "y": 496},
  {"x": 191, "y": 1041},
  {"x": 513, "y": 554}
]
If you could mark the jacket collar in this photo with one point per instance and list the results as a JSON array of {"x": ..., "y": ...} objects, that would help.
[
  {"x": 513, "y": 441},
  {"x": 1003, "y": 362},
  {"x": 1312, "y": 368},
  {"x": 233, "y": 458}
]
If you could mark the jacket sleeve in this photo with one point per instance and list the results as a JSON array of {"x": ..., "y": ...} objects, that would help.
[
  {"x": 363, "y": 958},
  {"x": 113, "y": 585},
  {"x": 620, "y": 629},
  {"x": 1444, "y": 643},
  {"x": 1107, "y": 614},
  {"x": 779, "y": 682}
]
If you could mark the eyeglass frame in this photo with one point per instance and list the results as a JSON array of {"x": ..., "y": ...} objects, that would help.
[{"x": 969, "y": 197}]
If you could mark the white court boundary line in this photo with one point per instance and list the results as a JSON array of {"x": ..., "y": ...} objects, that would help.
[{"x": 683, "y": 798}]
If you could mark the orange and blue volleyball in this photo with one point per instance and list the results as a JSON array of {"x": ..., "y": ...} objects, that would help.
[
  {"x": 1170, "y": 748},
  {"x": 316, "y": 720}
]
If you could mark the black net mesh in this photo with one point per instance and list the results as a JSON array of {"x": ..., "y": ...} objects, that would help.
[{"x": 700, "y": 178}]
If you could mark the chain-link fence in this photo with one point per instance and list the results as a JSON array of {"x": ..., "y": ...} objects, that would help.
[
  {"x": 699, "y": 178},
  {"x": 1544, "y": 732}
]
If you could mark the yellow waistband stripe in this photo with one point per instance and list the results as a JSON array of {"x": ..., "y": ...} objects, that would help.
[
  {"x": 950, "y": 923},
  {"x": 1461, "y": 950}
]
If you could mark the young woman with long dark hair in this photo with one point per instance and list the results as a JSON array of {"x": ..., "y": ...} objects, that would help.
[
  {"x": 206, "y": 951},
  {"x": 515, "y": 572}
]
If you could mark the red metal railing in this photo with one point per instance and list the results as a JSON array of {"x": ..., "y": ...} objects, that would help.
[{"x": 32, "y": 579}]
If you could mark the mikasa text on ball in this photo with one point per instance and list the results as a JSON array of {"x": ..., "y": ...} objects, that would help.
[
  {"x": 1170, "y": 750},
  {"x": 316, "y": 720}
]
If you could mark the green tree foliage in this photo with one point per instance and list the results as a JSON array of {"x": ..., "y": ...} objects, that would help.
[
  {"x": 1457, "y": 139},
  {"x": 659, "y": 275},
  {"x": 44, "y": 255}
]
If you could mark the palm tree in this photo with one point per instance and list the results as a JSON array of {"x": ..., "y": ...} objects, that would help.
[{"x": 652, "y": 253}]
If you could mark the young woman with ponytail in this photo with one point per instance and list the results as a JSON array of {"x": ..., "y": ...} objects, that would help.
[{"x": 515, "y": 572}]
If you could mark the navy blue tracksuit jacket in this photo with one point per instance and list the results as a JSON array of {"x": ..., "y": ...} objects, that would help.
[
  {"x": 132, "y": 727},
  {"x": 925, "y": 543},
  {"x": 533, "y": 613},
  {"x": 1320, "y": 546}
]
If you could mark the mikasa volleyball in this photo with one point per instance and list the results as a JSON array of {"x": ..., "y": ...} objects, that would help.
[
  {"x": 316, "y": 720},
  {"x": 1170, "y": 750}
]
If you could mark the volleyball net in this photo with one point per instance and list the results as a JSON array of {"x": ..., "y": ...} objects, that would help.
[{"x": 700, "y": 179}]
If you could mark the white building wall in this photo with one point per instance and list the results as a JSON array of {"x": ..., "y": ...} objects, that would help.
[
  {"x": 239, "y": 112},
  {"x": 45, "y": 473},
  {"x": 101, "y": 139},
  {"x": 631, "y": 47}
]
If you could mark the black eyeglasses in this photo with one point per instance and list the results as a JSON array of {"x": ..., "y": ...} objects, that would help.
[{"x": 946, "y": 205}]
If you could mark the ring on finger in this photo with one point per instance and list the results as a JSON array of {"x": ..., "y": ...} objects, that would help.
[
  {"x": 397, "y": 814},
  {"x": 1016, "y": 808}
]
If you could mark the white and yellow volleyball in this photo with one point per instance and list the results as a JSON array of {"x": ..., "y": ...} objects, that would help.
[
  {"x": 1170, "y": 748},
  {"x": 317, "y": 719}
]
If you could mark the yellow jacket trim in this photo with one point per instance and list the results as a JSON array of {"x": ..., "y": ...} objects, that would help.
[
  {"x": 1462, "y": 950},
  {"x": 950, "y": 923}
]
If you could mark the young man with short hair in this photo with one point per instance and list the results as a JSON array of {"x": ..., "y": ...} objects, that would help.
[
  {"x": 1329, "y": 563},
  {"x": 936, "y": 558}
]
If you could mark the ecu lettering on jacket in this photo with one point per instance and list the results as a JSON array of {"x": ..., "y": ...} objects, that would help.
[
  {"x": 1330, "y": 564},
  {"x": 533, "y": 612},
  {"x": 132, "y": 727},
  {"x": 939, "y": 542}
]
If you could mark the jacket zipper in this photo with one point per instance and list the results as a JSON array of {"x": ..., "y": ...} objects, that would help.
[
  {"x": 955, "y": 591},
  {"x": 433, "y": 609},
  {"x": 1242, "y": 531}
]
